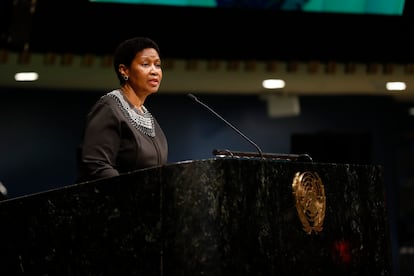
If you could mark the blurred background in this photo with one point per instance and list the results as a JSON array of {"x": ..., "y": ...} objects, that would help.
[{"x": 334, "y": 59}]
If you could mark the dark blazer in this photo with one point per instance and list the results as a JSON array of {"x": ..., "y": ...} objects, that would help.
[{"x": 117, "y": 140}]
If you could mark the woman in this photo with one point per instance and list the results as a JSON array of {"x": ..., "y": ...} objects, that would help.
[{"x": 120, "y": 134}]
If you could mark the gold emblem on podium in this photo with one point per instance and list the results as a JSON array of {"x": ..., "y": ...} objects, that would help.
[{"x": 309, "y": 194}]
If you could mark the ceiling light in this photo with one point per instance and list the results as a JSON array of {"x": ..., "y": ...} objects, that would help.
[
  {"x": 26, "y": 76},
  {"x": 396, "y": 85},
  {"x": 273, "y": 83}
]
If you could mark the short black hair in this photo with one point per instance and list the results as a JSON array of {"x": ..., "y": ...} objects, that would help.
[{"x": 127, "y": 50}]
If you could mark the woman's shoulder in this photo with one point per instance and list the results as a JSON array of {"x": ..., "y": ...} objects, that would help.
[
  {"x": 114, "y": 96},
  {"x": 105, "y": 102},
  {"x": 110, "y": 100}
]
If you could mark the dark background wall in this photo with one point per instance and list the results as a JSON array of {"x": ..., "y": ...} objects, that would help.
[{"x": 40, "y": 131}]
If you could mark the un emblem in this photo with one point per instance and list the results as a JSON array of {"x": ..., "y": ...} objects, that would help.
[{"x": 309, "y": 194}]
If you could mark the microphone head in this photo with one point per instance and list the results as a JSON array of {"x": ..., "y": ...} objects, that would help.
[{"x": 192, "y": 96}]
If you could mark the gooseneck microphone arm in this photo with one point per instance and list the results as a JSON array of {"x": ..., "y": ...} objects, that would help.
[{"x": 229, "y": 124}]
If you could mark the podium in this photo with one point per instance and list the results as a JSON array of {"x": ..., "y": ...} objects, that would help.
[{"x": 218, "y": 216}]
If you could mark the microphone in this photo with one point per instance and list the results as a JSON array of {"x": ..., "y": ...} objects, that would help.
[{"x": 230, "y": 125}]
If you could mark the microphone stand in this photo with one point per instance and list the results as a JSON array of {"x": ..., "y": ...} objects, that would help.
[
  {"x": 274, "y": 156},
  {"x": 229, "y": 124}
]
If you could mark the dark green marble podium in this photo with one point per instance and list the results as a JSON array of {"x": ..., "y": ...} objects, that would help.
[{"x": 220, "y": 216}]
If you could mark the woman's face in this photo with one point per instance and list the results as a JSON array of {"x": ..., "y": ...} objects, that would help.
[{"x": 145, "y": 73}]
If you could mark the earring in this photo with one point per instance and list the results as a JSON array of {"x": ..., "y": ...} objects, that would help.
[{"x": 126, "y": 78}]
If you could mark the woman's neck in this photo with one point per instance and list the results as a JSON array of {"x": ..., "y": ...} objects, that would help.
[{"x": 132, "y": 97}]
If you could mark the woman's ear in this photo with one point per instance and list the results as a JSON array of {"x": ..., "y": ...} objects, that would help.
[{"x": 122, "y": 69}]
